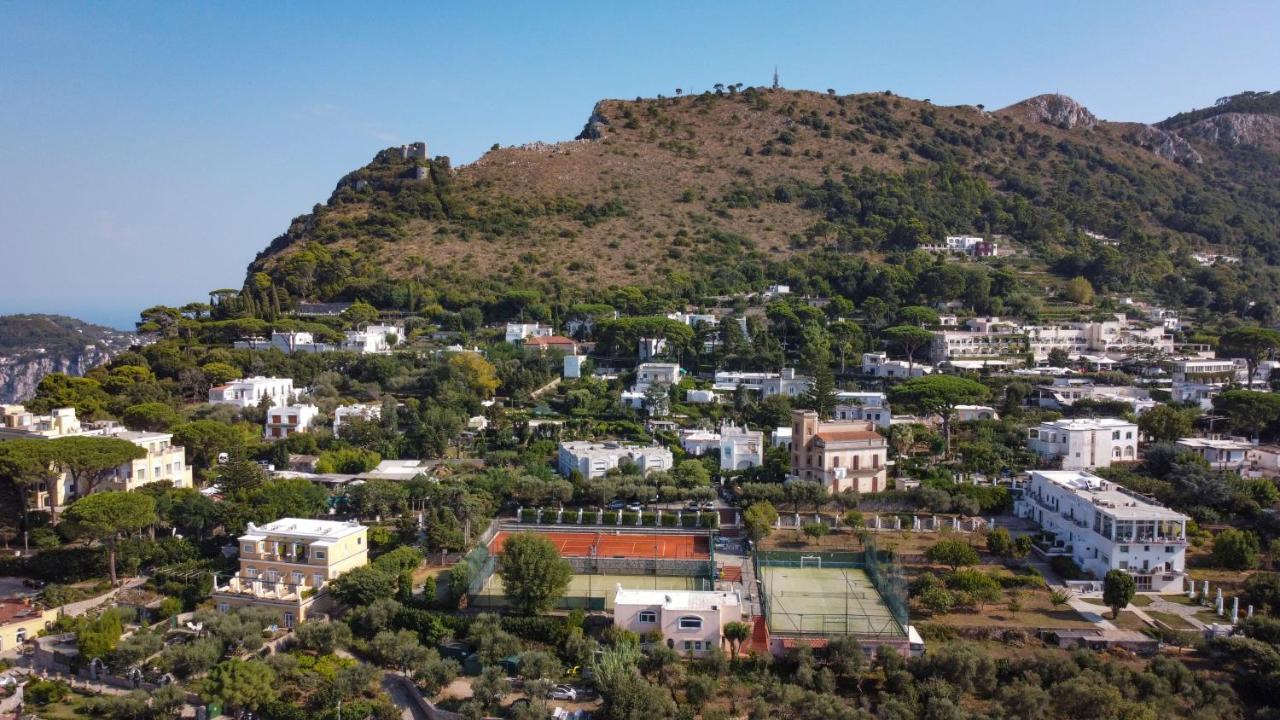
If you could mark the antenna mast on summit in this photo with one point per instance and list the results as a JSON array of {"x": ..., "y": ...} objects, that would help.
[{"x": 775, "y": 78}]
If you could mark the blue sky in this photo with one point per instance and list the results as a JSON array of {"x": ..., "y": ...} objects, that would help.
[{"x": 149, "y": 150}]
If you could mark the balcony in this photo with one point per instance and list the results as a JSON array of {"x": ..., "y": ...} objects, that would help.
[{"x": 261, "y": 589}]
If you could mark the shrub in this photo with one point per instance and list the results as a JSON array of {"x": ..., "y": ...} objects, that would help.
[{"x": 1066, "y": 568}]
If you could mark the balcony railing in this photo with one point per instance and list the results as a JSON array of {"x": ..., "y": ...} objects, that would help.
[{"x": 263, "y": 589}]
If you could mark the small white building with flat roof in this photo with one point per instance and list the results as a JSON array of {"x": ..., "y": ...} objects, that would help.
[
  {"x": 1104, "y": 527},
  {"x": 1085, "y": 443},
  {"x": 1220, "y": 453}
]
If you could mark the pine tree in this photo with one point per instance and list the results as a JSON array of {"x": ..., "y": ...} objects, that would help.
[{"x": 821, "y": 396}]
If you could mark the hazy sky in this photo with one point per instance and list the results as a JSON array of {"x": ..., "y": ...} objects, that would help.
[{"x": 149, "y": 150}]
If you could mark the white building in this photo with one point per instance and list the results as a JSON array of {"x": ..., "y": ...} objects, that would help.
[
  {"x": 1221, "y": 454},
  {"x": 997, "y": 337},
  {"x": 1201, "y": 394},
  {"x": 781, "y": 438},
  {"x": 594, "y": 459},
  {"x": 652, "y": 373},
  {"x": 19, "y": 423},
  {"x": 373, "y": 339},
  {"x": 1086, "y": 442},
  {"x": 879, "y": 365},
  {"x": 1103, "y": 527},
  {"x": 573, "y": 366},
  {"x": 964, "y": 245},
  {"x": 872, "y": 407},
  {"x": 1209, "y": 371},
  {"x": 650, "y": 348},
  {"x": 346, "y": 413},
  {"x": 694, "y": 319},
  {"x": 286, "y": 420},
  {"x": 786, "y": 383},
  {"x": 739, "y": 447},
  {"x": 973, "y": 413},
  {"x": 249, "y": 392},
  {"x": 1066, "y": 392},
  {"x": 519, "y": 331},
  {"x": 689, "y": 621}
]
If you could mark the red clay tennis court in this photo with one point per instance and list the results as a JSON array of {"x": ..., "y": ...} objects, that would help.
[{"x": 622, "y": 545}]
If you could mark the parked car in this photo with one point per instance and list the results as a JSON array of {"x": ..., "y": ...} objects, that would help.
[
  {"x": 616, "y": 505},
  {"x": 564, "y": 692},
  {"x": 635, "y": 507},
  {"x": 708, "y": 506}
]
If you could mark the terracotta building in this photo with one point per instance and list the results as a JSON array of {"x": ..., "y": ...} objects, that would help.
[{"x": 842, "y": 455}]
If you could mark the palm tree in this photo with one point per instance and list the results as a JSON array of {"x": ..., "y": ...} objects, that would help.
[{"x": 736, "y": 633}]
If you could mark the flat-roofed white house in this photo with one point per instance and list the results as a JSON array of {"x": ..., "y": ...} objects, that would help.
[
  {"x": 249, "y": 392},
  {"x": 346, "y": 413},
  {"x": 594, "y": 459},
  {"x": 653, "y": 373},
  {"x": 879, "y": 365},
  {"x": 1221, "y": 454},
  {"x": 19, "y": 423},
  {"x": 689, "y": 621},
  {"x": 373, "y": 339},
  {"x": 1104, "y": 527},
  {"x": 287, "y": 420},
  {"x": 739, "y": 447},
  {"x": 519, "y": 331},
  {"x": 786, "y": 382},
  {"x": 1085, "y": 443},
  {"x": 288, "y": 565}
]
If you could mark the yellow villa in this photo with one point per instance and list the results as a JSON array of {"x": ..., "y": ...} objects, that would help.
[{"x": 289, "y": 563}]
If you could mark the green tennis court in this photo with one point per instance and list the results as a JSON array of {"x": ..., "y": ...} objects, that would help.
[
  {"x": 827, "y": 601},
  {"x": 595, "y": 592}
]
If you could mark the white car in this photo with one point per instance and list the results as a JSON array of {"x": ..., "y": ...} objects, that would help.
[{"x": 564, "y": 692}]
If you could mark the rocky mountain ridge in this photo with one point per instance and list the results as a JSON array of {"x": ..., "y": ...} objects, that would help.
[{"x": 32, "y": 346}]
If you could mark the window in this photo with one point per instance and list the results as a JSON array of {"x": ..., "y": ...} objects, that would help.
[
  {"x": 1124, "y": 548},
  {"x": 223, "y": 607},
  {"x": 648, "y": 617},
  {"x": 1115, "y": 435},
  {"x": 688, "y": 645},
  {"x": 690, "y": 622},
  {"x": 248, "y": 547},
  {"x": 319, "y": 554},
  {"x": 1128, "y": 435}
]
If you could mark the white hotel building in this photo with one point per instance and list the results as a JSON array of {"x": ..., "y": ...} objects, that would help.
[
  {"x": 1085, "y": 443},
  {"x": 1104, "y": 527}
]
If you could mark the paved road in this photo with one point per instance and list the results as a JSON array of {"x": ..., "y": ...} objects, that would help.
[{"x": 400, "y": 696}]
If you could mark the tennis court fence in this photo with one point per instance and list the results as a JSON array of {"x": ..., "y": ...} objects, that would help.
[{"x": 881, "y": 567}]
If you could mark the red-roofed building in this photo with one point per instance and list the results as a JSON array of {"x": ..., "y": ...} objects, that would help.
[
  {"x": 20, "y": 621},
  {"x": 553, "y": 342},
  {"x": 842, "y": 455}
]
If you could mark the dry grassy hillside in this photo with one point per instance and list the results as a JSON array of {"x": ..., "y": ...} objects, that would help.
[{"x": 662, "y": 181}]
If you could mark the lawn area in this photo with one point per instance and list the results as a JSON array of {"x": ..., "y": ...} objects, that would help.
[
  {"x": 70, "y": 709},
  {"x": 1173, "y": 621},
  {"x": 1138, "y": 601},
  {"x": 1036, "y": 612},
  {"x": 1128, "y": 621}
]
